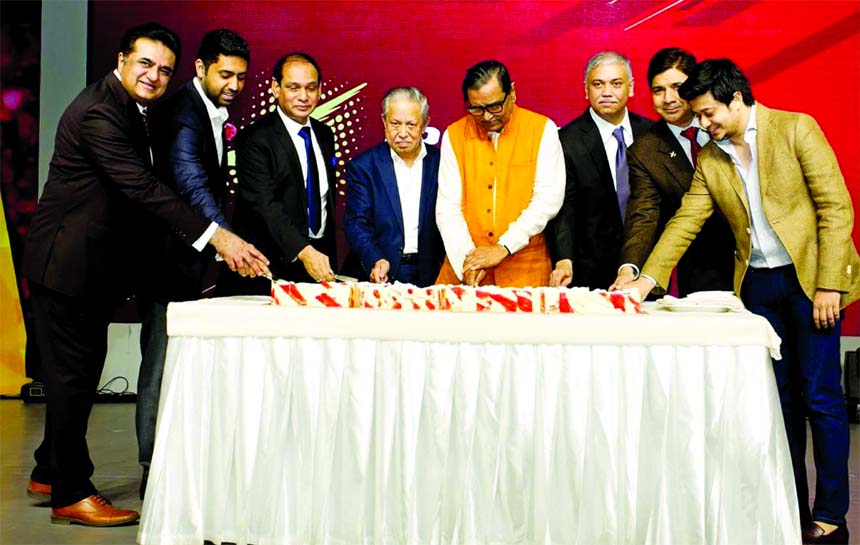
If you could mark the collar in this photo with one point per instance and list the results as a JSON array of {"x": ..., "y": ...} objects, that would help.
[
  {"x": 218, "y": 114},
  {"x": 399, "y": 161},
  {"x": 140, "y": 107},
  {"x": 605, "y": 127},
  {"x": 749, "y": 133},
  {"x": 292, "y": 126},
  {"x": 676, "y": 130}
]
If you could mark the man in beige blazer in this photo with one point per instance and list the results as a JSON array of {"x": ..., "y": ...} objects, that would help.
[{"x": 776, "y": 180}]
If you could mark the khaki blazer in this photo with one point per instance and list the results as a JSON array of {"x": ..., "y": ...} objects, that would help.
[{"x": 804, "y": 198}]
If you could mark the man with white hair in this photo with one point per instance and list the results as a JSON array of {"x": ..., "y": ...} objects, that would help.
[
  {"x": 391, "y": 197},
  {"x": 587, "y": 234}
]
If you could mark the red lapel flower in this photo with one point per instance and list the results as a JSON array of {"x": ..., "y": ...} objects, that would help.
[{"x": 229, "y": 131}]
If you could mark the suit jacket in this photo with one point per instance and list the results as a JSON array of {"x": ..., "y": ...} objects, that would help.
[
  {"x": 187, "y": 161},
  {"x": 660, "y": 174},
  {"x": 272, "y": 211},
  {"x": 803, "y": 196},
  {"x": 588, "y": 228},
  {"x": 81, "y": 239},
  {"x": 373, "y": 221}
]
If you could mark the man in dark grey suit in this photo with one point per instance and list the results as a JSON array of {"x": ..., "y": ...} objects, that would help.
[
  {"x": 80, "y": 253},
  {"x": 191, "y": 157},
  {"x": 285, "y": 163},
  {"x": 661, "y": 169},
  {"x": 585, "y": 237},
  {"x": 390, "y": 218}
]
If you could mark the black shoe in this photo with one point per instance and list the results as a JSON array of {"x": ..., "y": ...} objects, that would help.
[
  {"x": 813, "y": 534},
  {"x": 143, "y": 480}
]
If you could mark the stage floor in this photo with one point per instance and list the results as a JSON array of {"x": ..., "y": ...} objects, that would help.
[{"x": 113, "y": 449}]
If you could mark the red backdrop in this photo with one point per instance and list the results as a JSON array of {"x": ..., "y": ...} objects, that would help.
[{"x": 799, "y": 55}]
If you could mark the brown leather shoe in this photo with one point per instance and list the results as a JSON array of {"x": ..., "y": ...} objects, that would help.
[
  {"x": 93, "y": 511},
  {"x": 813, "y": 534},
  {"x": 39, "y": 491}
]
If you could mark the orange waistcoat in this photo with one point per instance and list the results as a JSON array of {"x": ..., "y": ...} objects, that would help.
[{"x": 497, "y": 187}]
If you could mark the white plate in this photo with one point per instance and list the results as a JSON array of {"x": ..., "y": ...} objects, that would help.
[{"x": 697, "y": 308}]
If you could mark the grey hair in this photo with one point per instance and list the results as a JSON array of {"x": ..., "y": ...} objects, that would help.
[
  {"x": 409, "y": 93},
  {"x": 607, "y": 57}
]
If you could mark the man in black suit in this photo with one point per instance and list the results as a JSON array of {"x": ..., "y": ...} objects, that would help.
[
  {"x": 79, "y": 257},
  {"x": 390, "y": 218},
  {"x": 661, "y": 169},
  {"x": 285, "y": 163},
  {"x": 585, "y": 237},
  {"x": 192, "y": 160}
]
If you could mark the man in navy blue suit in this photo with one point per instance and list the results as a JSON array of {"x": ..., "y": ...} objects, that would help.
[
  {"x": 391, "y": 197},
  {"x": 192, "y": 160}
]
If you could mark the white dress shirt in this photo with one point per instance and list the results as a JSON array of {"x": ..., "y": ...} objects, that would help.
[
  {"x": 767, "y": 249},
  {"x": 409, "y": 189},
  {"x": 218, "y": 115},
  {"x": 293, "y": 129},
  {"x": 203, "y": 240},
  {"x": 610, "y": 143},
  {"x": 547, "y": 198}
]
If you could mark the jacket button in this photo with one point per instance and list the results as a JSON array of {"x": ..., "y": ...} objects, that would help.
[
  {"x": 748, "y": 230},
  {"x": 491, "y": 163},
  {"x": 489, "y": 210},
  {"x": 490, "y": 186},
  {"x": 490, "y": 234}
]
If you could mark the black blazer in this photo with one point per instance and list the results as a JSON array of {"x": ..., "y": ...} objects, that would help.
[
  {"x": 82, "y": 237},
  {"x": 373, "y": 220},
  {"x": 660, "y": 175},
  {"x": 588, "y": 228},
  {"x": 187, "y": 161},
  {"x": 272, "y": 211}
]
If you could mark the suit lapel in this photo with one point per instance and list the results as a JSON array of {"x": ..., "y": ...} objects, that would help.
[
  {"x": 385, "y": 165},
  {"x": 764, "y": 149},
  {"x": 291, "y": 154},
  {"x": 673, "y": 157},
  {"x": 729, "y": 172},
  {"x": 591, "y": 136}
]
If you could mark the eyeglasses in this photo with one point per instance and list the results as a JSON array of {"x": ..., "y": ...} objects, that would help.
[{"x": 494, "y": 108}]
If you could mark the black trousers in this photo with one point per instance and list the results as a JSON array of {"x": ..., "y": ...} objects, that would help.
[{"x": 72, "y": 337}]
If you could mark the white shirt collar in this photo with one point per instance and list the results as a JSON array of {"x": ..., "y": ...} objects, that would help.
[
  {"x": 292, "y": 126},
  {"x": 676, "y": 130},
  {"x": 140, "y": 106},
  {"x": 749, "y": 134},
  {"x": 399, "y": 160},
  {"x": 217, "y": 114},
  {"x": 605, "y": 127}
]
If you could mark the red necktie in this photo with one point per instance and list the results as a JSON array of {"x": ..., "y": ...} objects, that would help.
[{"x": 690, "y": 134}]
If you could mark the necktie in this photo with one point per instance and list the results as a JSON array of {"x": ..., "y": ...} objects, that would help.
[
  {"x": 690, "y": 134},
  {"x": 622, "y": 181},
  {"x": 143, "y": 114},
  {"x": 312, "y": 182}
]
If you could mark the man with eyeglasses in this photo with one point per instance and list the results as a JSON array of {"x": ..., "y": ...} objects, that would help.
[
  {"x": 587, "y": 234},
  {"x": 391, "y": 197},
  {"x": 501, "y": 179}
]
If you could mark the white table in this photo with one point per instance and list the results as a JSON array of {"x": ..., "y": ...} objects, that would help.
[{"x": 343, "y": 426}]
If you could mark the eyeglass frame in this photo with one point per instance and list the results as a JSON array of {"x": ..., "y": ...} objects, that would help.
[{"x": 486, "y": 108}]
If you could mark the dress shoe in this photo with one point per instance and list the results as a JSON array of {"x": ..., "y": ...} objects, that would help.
[
  {"x": 93, "y": 511},
  {"x": 39, "y": 491},
  {"x": 813, "y": 534}
]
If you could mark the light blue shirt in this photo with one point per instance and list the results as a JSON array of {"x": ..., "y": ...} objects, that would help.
[{"x": 767, "y": 249}]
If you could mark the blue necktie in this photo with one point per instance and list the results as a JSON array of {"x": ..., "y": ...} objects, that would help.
[
  {"x": 622, "y": 182},
  {"x": 312, "y": 182}
]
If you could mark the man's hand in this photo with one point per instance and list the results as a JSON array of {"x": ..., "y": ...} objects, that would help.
[
  {"x": 239, "y": 255},
  {"x": 625, "y": 275},
  {"x": 473, "y": 278},
  {"x": 642, "y": 285},
  {"x": 484, "y": 257},
  {"x": 825, "y": 308},
  {"x": 379, "y": 274},
  {"x": 316, "y": 264},
  {"x": 562, "y": 275}
]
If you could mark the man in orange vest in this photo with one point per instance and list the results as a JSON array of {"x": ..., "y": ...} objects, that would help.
[{"x": 501, "y": 179}]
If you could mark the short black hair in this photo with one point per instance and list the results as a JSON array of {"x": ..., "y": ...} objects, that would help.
[
  {"x": 222, "y": 42},
  {"x": 481, "y": 73},
  {"x": 668, "y": 58},
  {"x": 278, "y": 69},
  {"x": 152, "y": 31},
  {"x": 721, "y": 77}
]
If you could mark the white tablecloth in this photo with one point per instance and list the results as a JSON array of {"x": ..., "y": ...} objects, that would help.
[{"x": 341, "y": 426}]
